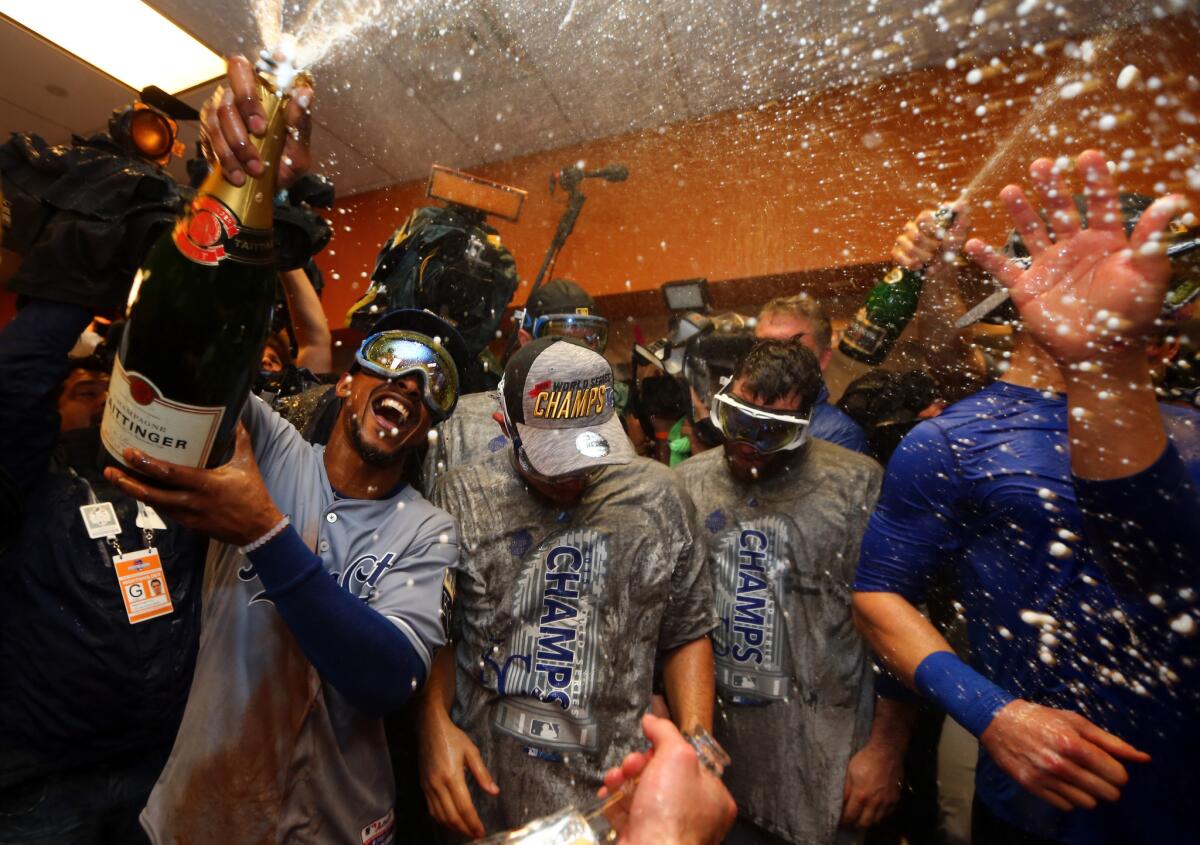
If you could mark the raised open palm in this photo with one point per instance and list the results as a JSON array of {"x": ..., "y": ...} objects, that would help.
[{"x": 1089, "y": 293}]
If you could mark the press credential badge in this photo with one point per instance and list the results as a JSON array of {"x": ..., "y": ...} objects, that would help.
[{"x": 143, "y": 585}]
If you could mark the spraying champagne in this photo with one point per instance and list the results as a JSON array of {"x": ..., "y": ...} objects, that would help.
[
  {"x": 889, "y": 307},
  {"x": 199, "y": 312}
]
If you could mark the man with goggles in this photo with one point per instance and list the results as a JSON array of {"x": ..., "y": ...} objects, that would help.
[
  {"x": 397, "y": 353},
  {"x": 561, "y": 308},
  {"x": 783, "y": 513},
  {"x": 329, "y": 655},
  {"x": 765, "y": 431},
  {"x": 581, "y": 571}
]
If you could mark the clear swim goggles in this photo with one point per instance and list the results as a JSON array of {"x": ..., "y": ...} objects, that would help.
[{"x": 764, "y": 430}]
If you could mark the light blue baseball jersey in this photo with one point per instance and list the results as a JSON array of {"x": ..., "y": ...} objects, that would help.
[{"x": 267, "y": 752}]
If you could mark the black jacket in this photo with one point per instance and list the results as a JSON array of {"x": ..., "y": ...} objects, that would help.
[{"x": 79, "y": 684}]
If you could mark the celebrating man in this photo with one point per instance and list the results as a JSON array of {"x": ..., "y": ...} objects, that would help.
[
  {"x": 803, "y": 319},
  {"x": 579, "y": 570},
  {"x": 784, "y": 513},
  {"x": 296, "y": 667},
  {"x": 560, "y": 308},
  {"x": 1081, "y": 647}
]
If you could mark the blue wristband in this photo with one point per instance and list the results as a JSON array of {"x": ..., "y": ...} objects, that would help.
[{"x": 970, "y": 699}]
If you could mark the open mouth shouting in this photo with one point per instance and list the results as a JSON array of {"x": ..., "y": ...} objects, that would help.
[{"x": 392, "y": 412}]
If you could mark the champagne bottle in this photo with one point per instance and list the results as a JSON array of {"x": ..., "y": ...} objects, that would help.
[
  {"x": 198, "y": 316},
  {"x": 889, "y": 307},
  {"x": 598, "y": 822}
]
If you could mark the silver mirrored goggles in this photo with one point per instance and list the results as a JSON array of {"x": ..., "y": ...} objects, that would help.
[
  {"x": 763, "y": 430},
  {"x": 589, "y": 329},
  {"x": 398, "y": 353}
]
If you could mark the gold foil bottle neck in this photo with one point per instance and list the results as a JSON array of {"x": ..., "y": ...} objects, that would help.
[{"x": 253, "y": 201}]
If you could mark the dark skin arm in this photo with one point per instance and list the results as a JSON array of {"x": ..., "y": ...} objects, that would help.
[
  {"x": 234, "y": 113},
  {"x": 313, "y": 338},
  {"x": 230, "y": 503},
  {"x": 445, "y": 754}
]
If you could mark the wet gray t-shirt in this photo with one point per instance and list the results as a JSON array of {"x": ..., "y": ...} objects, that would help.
[
  {"x": 470, "y": 435},
  {"x": 559, "y": 615},
  {"x": 794, "y": 687}
]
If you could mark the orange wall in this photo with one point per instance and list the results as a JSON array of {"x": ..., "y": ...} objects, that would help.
[{"x": 815, "y": 183}]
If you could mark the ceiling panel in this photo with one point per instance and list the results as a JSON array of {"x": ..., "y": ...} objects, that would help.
[
  {"x": 60, "y": 90},
  {"x": 608, "y": 64},
  {"x": 507, "y": 120},
  {"x": 462, "y": 82},
  {"x": 15, "y": 118}
]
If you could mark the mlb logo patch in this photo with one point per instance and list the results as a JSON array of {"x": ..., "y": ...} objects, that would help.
[{"x": 381, "y": 831}]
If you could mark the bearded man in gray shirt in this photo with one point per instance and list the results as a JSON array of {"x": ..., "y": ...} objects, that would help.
[
  {"x": 782, "y": 516},
  {"x": 579, "y": 569}
]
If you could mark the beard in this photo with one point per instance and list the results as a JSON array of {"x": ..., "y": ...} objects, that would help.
[{"x": 371, "y": 455}]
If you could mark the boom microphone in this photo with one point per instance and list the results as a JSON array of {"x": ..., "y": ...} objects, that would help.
[{"x": 609, "y": 173}]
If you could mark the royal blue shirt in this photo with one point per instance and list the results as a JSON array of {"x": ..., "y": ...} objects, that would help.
[
  {"x": 986, "y": 489},
  {"x": 836, "y": 426}
]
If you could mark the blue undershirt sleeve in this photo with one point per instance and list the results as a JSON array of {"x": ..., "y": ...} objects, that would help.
[
  {"x": 361, "y": 654},
  {"x": 1143, "y": 530},
  {"x": 916, "y": 522}
]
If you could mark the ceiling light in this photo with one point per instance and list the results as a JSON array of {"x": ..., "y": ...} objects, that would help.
[{"x": 125, "y": 39}]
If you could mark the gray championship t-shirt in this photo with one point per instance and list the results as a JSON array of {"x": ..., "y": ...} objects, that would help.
[
  {"x": 267, "y": 752},
  {"x": 794, "y": 685},
  {"x": 470, "y": 435},
  {"x": 559, "y": 615}
]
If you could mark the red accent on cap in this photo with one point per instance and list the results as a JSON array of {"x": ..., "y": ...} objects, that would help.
[{"x": 540, "y": 387}]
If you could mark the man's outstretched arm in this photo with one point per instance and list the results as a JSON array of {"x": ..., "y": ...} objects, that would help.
[
  {"x": 1057, "y": 755},
  {"x": 358, "y": 650},
  {"x": 1092, "y": 299}
]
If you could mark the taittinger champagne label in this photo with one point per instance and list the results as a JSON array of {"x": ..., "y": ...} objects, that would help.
[
  {"x": 211, "y": 233},
  {"x": 138, "y": 415}
]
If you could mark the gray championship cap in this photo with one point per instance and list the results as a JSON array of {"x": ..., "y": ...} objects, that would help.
[{"x": 558, "y": 395}]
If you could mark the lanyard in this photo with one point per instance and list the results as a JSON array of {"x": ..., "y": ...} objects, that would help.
[{"x": 112, "y": 539}]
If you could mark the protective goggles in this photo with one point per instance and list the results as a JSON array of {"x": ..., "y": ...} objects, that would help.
[
  {"x": 764, "y": 431},
  {"x": 589, "y": 329},
  {"x": 397, "y": 353}
]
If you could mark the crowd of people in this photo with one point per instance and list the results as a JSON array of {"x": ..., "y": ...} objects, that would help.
[{"x": 556, "y": 589}]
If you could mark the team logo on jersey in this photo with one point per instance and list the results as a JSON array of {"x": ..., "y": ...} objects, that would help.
[
  {"x": 358, "y": 579},
  {"x": 364, "y": 572},
  {"x": 750, "y": 643},
  {"x": 546, "y": 672}
]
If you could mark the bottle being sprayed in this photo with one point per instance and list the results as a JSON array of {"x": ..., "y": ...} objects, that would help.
[
  {"x": 199, "y": 310},
  {"x": 889, "y": 307},
  {"x": 598, "y": 822}
]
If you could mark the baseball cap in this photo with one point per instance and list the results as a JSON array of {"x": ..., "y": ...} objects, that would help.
[
  {"x": 560, "y": 296},
  {"x": 558, "y": 396}
]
